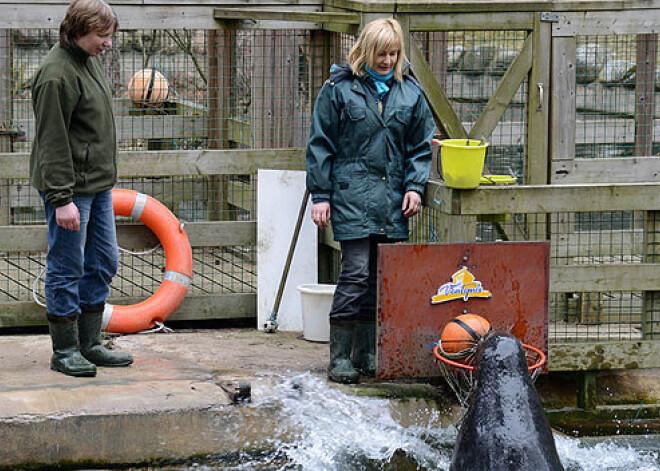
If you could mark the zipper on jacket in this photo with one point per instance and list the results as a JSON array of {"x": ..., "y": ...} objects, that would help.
[{"x": 380, "y": 106}]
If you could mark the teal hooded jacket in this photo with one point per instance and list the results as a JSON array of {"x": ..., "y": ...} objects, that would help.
[{"x": 362, "y": 161}]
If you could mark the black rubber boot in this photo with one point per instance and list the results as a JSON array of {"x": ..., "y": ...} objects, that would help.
[
  {"x": 89, "y": 327},
  {"x": 341, "y": 343},
  {"x": 364, "y": 349},
  {"x": 66, "y": 356}
]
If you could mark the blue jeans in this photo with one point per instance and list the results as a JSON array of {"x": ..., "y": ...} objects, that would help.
[
  {"x": 355, "y": 294},
  {"x": 80, "y": 264}
]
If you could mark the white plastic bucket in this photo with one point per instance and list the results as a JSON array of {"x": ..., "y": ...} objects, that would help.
[{"x": 316, "y": 302}]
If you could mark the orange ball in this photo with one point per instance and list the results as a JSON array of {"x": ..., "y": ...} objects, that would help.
[
  {"x": 463, "y": 332},
  {"x": 148, "y": 87}
]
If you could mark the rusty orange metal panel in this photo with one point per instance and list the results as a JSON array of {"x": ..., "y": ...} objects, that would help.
[{"x": 410, "y": 275}]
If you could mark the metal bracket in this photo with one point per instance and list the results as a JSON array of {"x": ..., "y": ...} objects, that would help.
[
  {"x": 239, "y": 393},
  {"x": 549, "y": 17}
]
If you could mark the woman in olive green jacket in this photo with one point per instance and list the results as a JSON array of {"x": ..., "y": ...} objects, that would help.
[
  {"x": 73, "y": 164},
  {"x": 368, "y": 160}
]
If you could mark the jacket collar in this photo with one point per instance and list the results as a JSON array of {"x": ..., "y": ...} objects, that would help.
[{"x": 76, "y": 51}]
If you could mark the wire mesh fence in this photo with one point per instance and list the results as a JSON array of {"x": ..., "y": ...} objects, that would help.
[
  {"x": 255, "y": 89},
  {"x": 610, "y": 85}
]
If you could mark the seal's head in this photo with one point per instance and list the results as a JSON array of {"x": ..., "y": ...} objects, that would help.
[{"x": 500, "y": 355}]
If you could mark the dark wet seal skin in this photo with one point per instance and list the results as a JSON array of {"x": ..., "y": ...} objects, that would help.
[{"x": 505, "y": 427}]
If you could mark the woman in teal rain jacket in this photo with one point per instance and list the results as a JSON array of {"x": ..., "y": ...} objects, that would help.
[{"x": 368, "y": 160}]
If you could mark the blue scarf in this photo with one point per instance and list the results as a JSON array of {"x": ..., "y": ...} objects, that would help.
[{"x": 379, "y": 80}]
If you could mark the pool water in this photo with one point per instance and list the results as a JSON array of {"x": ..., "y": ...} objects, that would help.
[{"x": 341, "y": 432}]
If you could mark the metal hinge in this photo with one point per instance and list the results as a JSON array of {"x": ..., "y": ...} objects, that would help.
[{"x": 549, "y": 17}]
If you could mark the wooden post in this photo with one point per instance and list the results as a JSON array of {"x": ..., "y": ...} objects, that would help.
[
  {"x": 647, "y": 45},
  {"x": 651, "y": 302},
  {"x": 538, "y": 113},
  {"x": 319, "y": 60},
  {"x": 562, "y": 144},
  {"x": 274, "y": 90},
  {"x": 586, "y": 390},
  {"x": 6, "y": 124},
  {"x": 220, "y": 57},
  {"x": 538, "y": 104}
]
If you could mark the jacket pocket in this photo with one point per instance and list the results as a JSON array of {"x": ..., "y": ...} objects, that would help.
[
  {"x": 355, "y": 130},
  {"x": 348, "y": 198},
  {"x": 403, "y": 115},
  {"x": 81, "y": 163},
  {"x": 355, "y": 113}
]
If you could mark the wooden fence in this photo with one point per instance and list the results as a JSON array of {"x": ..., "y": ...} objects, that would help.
[{"x": 542, "y": 81}]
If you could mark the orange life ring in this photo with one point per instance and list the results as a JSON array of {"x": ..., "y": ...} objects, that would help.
[{"x": 178, "y": 267}]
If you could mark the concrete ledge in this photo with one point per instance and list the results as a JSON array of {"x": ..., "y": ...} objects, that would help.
[{"x": 168, "y": 404}]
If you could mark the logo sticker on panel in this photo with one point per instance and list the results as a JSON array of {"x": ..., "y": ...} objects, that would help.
[{"x": 463, "y": 285}]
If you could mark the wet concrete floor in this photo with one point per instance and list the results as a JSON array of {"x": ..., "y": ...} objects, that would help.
[{"x": 150, "y": 409}]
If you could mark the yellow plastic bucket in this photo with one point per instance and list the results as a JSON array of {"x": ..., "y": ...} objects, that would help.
[{"x": 462, "y": 162}]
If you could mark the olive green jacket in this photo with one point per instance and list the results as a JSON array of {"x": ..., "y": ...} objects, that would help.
[
  {"x": 363, "y": 162},
  {"x": 75, "y": 150}
]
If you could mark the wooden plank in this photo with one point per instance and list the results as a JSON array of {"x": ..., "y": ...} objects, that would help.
[
  {"x": 602, "y": 278},
  {"x": 607, "y": 22},
  {"x": 285, "y": 14},
  {"x": 220, "y": 306},
  {"x": 146, "y": 127},
  {"x": 611, "y": 355},
  {"x": 538, "y": 107},
  {"x": 137, "y": 236},
  {"x": 647, "y": 49},
  {"x": 195, "y": 162},
  {"x": 188, "y": 15},
  {"x": 563, "y": 117},
  {"x": 542, "y": 199},
  {"x": 209, "y": 162},
  {"x": 619, "y": 170},
  {"x": 427, "y": 6},
  {"x": 451, "y": 21},
  {"x": 506, "y": 90},
  {"x": 445, "y": 117}
]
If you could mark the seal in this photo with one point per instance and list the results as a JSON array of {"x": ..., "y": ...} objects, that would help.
[{"x": 505, "y": 427}]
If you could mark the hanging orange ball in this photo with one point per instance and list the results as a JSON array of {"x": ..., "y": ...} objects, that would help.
[
  {"x": 148, "y": 87},
  {"x": 462, "y": 333}
]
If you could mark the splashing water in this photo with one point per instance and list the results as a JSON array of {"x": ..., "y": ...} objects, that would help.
[
  {"x": 607, "y": 455},
  {"x": 344, "y": 432},
  {"x": 338, "y": 431}
]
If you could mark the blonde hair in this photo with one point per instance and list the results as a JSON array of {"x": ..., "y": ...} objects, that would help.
[
  {"x": 377, "y": 36},
  {"x": 86, "y": 16}
]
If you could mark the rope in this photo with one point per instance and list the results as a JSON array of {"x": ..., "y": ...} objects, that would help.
[
  {"x": 34, "y": 288},
  {"x": 433, "y": 235},
  {"x": 35, "y": 297},
  {"x": 160, "y": 327}
]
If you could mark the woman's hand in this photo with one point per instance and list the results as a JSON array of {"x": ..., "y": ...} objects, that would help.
[
  {"x": 321, "y": 214},
  {"x": 412, "y": 203},
  {"x": 68, "y": 217}
]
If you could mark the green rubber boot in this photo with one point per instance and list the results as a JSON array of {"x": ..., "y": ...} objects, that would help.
[
  {"x": 66, "y": 356},
  {"x": 89, "y": 327},
  {"x": 364, "y": 349},
  {"x": 341, "y": 343}
]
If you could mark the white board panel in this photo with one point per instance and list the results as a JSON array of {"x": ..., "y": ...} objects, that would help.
[{"x": 279, "y": 197}]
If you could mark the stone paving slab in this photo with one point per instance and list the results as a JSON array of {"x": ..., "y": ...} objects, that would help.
[{"x": 123, "y": 415}]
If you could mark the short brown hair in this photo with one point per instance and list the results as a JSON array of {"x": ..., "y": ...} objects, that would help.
[
  {"x": 377, "y": 36},
  {"x": 86, "y": 16}
]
